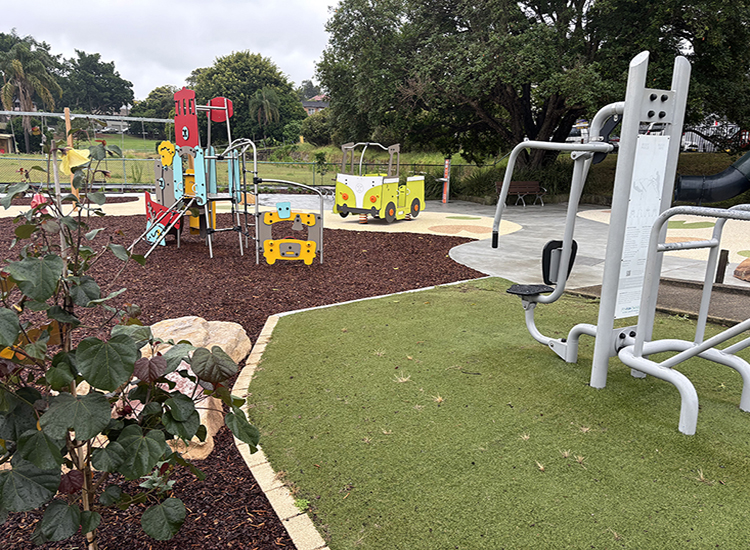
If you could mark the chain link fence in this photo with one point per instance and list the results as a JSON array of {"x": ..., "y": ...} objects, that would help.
[{"x": 126, "y": 175}]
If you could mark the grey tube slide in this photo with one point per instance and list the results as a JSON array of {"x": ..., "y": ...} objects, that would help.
[{"x": 733, "y": 181}]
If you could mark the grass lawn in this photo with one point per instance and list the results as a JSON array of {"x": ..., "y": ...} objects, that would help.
[{"x": 432, "y": 420}]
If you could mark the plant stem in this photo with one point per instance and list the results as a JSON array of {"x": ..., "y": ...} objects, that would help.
[{"x": 88, "y": 495}]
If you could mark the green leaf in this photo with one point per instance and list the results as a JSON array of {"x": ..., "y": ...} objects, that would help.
[
  {"x": 58, "y": 378},
  {"x": 91, "y": 235},
  {"x": 97, "y": 198},
  {"x": 28, "y": 394},
  {"x": 38, "y": 348},
  {"x": 138, "y": 258},
  {"x": 26, "y": 487},
  {"x": 37, "y": 277},
  {"x": 161, "y": 522},
  {"x": 213, "y": 366},
  {"x": 226, "y": 397},
  {"x": 38, "y": 168},
  {"x": 97, "y": 152},
  {"x": 184, "y": 429},
  {"x": 109, "y": 458},
  {"x": 87, "y": 414},
  {"x": 107, "y": 365},
  {"x": 90, "y": 521},
  {"x": 65, "y": 360},
  {"x": 18, "y": 418},
  {"x": 107, "y": 298},
  {"x": 33, "y": 305},
  {"x": 176, "y": 355},
  {"x": 202, "y": 432},
  {"x": 85, "y": 291},
  {"x": 9, "y": 327},
  {"x": 181, "y": 407},
  {"x": 59, "y": 314},
  {"x": 119, "y": 251},
  {"x": 40, "y": 449},
  {"x": 111, "y": 494},
  {"x": 25, "y": 231},
  {"x": 60, "y": 522},
  {"x": 114, "y": 150},
  {"x": 237, "y": 422},
  {"x": 150, "y": 409},
  {"x": 51, "y": 227},
  {"x": 12, "y": 191},
  {"x": 79, "y": 178},
  {"x": 141, "y": 334},
  {"x": 142, "y": 452}
]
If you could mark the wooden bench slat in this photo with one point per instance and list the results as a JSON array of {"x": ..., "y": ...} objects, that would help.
[{"x": 522, "y": 188}]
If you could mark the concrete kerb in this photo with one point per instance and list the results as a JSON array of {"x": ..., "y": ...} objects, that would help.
[
  {"x": 300, "y": 527},
  {"x": 298, "y": 524}
]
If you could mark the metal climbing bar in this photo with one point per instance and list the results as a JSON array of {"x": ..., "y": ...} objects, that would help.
[{"x": 636, "y": 355}]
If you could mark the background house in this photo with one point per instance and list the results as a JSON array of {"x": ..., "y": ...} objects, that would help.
[{"x": 315, "y": 104}]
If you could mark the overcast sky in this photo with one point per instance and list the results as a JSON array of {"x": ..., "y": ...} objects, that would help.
[{"x": 154, "y": 43}]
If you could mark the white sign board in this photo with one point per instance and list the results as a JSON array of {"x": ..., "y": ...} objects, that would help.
[{"x": 643, "y": 209}]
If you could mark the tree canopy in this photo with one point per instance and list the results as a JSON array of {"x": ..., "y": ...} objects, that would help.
[
  {"x": 307, "y": 90},
  {"x": 482, "y": 76},
  {"x": 26, "y": 66},
  {"x": 158, "y": 104},
  {"x": 239, "y": 76},
  {"x": 94, "y": 86}
]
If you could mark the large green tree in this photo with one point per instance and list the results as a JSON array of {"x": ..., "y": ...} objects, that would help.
[
  {"x": 307, "y": 90},
  {"x": 482, "y": 75},
  {"x": 238, "y": 76},
  {"x": 27, "y": 67},
  {"x": 94, "y": 86}
]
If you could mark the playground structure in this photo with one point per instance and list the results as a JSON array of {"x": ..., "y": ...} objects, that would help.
[
  {"x": 381, "y": 196},
  {"x": 186, "y": 182},
  {"x": 643, "y": 192}
]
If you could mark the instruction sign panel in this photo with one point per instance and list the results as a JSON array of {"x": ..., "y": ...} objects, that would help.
[{"x": 643, "y": 208}]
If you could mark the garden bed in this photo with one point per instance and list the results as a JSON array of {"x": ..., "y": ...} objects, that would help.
[{"x": 228, "y": 510}]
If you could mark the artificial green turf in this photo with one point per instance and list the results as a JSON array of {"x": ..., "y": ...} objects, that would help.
[{"x": 432, "y": 420}]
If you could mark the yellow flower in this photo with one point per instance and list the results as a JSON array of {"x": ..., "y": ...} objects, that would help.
[{"x": 73, "y": 158}]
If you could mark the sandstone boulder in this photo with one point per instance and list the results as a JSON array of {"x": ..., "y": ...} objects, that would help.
[
  {"x": 230, "y": 337},
  {"x": 742, "y": 272}
]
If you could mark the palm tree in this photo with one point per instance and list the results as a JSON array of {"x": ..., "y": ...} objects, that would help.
[
  {"x": 264, "y": 105},
  {"x": 26, "y": 73}
]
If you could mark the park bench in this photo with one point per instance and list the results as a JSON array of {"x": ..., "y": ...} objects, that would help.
[{"x": 522, "y": 189}]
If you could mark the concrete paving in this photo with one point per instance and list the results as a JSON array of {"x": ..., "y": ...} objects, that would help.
[
  {"x": 524, "y": 232},
  {"x": 518, "y": 256}
]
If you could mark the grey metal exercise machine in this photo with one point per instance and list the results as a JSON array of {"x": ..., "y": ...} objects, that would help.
[{"x": 643, "y": 190}]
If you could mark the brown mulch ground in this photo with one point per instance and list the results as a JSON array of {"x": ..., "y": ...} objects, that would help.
[{"x": 228, "y": 510}]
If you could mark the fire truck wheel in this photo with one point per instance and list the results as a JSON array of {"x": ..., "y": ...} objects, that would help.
[
  {"x": 415, "y": 208},
  {"x": 390, "y": 212}
]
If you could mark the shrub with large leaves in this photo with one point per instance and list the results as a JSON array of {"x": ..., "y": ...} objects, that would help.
[{"x": 53, "y": 433}]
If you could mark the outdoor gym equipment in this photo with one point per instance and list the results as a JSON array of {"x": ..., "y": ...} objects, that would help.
[
  {"x": 643, "y": 191},
  {"x": 378, "y": 195},
  {"x": 186, "y": 180}
]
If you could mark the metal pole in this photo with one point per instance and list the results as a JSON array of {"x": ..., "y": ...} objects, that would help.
[{"x": 603, "y": 347}]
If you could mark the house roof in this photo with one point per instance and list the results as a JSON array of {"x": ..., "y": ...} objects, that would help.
[{"x": 311, "y": 103}]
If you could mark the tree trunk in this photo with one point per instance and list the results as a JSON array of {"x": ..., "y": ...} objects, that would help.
[{"x": 27, "y": 140}]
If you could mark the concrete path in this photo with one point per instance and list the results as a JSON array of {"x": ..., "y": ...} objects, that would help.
[
  {"x": 518, "y": 256},
  {"x": 524, "y": 232}
]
